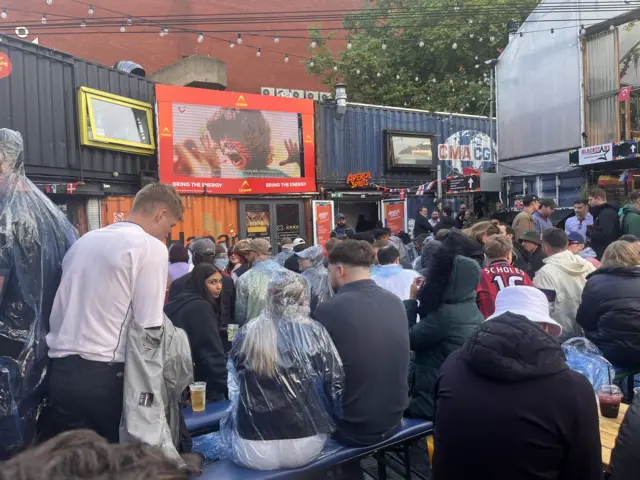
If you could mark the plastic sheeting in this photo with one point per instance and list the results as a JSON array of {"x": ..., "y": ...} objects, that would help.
[
  {"x": 283, "y": 256},
  {"x": 34, "y": 237},
  {"x": 584, "y": 357},
  {"x": 251, "y": 289},
  {"x": 317, "y": 276},
  {"x": 285, "y": 383}
]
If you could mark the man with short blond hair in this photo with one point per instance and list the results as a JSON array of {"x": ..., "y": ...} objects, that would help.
[
  {"x": 110, "y": 277},
  {"x": 498, "y": 274}
]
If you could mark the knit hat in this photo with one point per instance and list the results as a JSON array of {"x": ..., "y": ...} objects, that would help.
[{"x": 528, "y": 302}]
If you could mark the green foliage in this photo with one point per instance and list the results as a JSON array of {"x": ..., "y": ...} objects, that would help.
[{"x": 449, "y": 68}]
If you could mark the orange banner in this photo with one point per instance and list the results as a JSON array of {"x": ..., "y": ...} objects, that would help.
[
  {"x": 324, "y": 220},
  {"x": 394, "y": 216}
]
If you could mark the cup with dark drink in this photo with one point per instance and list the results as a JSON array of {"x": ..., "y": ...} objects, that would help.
[{"x": 609, "y": 397}]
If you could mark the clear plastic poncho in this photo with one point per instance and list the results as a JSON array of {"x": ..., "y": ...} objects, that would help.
[
  {"x": 285, "y": 383},
  {"x": 584, "y": 357},
  {"x": 34, "y": 237},
  {"x": 317, "y": 276},
  {"x": 251, "y": 290}
]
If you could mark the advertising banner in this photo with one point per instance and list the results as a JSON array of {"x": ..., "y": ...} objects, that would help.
[
  {"x": 596, "y": 154},
  {"x": 322, "y": 222},
  {"x": 233, "y": 143},
  {"x": 394, "y": 215}
]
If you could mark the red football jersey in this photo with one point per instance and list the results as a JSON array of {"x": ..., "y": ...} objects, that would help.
[{"x": 495, "y": 277}]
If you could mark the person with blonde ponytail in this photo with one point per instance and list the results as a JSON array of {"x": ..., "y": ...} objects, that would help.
[{"x": 285, "y": 383}]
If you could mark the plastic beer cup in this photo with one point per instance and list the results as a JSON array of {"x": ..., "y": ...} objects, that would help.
[{"x": 198, "y": 396}]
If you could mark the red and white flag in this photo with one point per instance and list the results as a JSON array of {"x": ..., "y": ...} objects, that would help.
[
  {"x": 624, "y": 94},
  {"x": 420, "y": 190}
]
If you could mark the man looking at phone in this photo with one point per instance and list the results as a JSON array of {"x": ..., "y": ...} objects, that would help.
[{"x": 498, "y": 274}]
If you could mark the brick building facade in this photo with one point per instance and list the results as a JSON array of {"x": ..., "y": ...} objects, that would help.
[{"x": 245, "y": 71}]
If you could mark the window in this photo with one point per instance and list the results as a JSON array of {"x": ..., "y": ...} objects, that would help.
[
  {"x": 115, "y": 123},
  {"x": 410, "y": 151}
]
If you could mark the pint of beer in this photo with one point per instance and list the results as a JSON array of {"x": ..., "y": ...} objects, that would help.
[{"x": 198, "y": 396}]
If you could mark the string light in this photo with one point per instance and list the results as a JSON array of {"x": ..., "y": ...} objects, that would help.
[
  {"x": 314, "y": 44},
  {"x": 239, "y": 39},
  {"x": 492, "y": 39},
  {"x": 454, "y": 46},
  {"x": 477, "y": 66},
  {"x": 91, "y": 10},
  {"x": 480, "y": 39},
  {"x": 44, "y": 19},
  {"x": 312, "y": 63},
  {"x": 200, "y": 38},
  {"x": 417, "y": 79},
  {"x": 164, "y": 31},
  {"x": 358, "y": 72},
  {"x": 471, "y": 35},
  {"x": 286, "y": 60},
  {"x": 259, "y": 53},
  {"x": 470, "y": 21},
  {"x": 232, "y": 45},
  {"x": 434, "y": 80},
  {"x": 4, "y": 15},
  {"x": 276, "y": 39},
  {"x": 583, "y": 31},
  {"x": 83, "y": 24},
  {"x": 378, "y": 75},
  {"x": 129, "y": 20},
  {"x": 123, "y": 28},
  {"x": 397, "y": 77},
  {"x": 611, "y": 28},
  {"x": 384, "y": 44},
  {"x": 349, "y": 44},
  {"x": 421, "y": 43},
  {"x": 49, "y": 2}
]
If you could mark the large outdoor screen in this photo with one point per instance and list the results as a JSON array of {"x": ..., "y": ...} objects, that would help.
[{"x": 233, "y": 143}]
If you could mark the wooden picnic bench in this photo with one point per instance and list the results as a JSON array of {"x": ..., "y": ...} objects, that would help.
[{"x": 609, "y": 428}]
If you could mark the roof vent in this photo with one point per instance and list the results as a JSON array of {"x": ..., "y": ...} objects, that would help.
[{"x": 130, "y": 67}]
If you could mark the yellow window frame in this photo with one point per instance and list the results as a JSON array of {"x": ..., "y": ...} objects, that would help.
[{"x": 85, "y": 109}]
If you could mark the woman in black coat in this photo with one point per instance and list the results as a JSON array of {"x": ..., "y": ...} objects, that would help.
[
  {"x": 197, "y": 312},
  {"x": 610, "y": 309}
]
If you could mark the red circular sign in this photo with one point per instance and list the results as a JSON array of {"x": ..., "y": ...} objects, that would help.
[{"x": 5, "y": 65}]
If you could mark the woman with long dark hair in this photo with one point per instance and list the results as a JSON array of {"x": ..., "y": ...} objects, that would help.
[
  {"x": 197, "y": 312},
  {"x": 237, "y": 261}
]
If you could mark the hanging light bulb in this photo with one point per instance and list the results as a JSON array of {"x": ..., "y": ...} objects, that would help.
[
  {"x": 454, "y": 46},
  {"x": 123, "y": 28},
  {"x": 467, "y": 104},
  {"x": 384, "y": 44},
  {"x": 349, "y": 44},
  {"x": 434, "y": 80},
  {"x": 83, "y": 24},
  {"x": 314, "y": 44},
  {"x": 335, "y": 68},
  {"x": 477, "y": 66},
  {"x": 239, "y": 39},
  {"x": 378, "y": 74},
  {"x": 470, "y": 21},
  {"x": 232, "y": 45},
  {"x": 312, "y": 64},
  {"x": 259, "y": 53},
  {"x": 358, "y": 72},
  {"x": 276, "y": 39},
  {"x": 480, "y": 39},
  {"x": 421, "y": 43},
  {"x": 164, "y": 31},
  {"x": 200, "y": 38},
  {"x": 473, "y": 99},
  {"x": 397, "y": 77},
  {"x": 451, "y": 82},
  {"x": 49, "y": 2},
  {"x": 3, "y": 14},
  {"x": 492, "y": 39},
  {"x": 471, "y": 35},
  {"x": 417, "y": 79},
  {"x": 44, "y": 19},
  {"x": 477, "y": 57},
  {"x": 553, "y": 32},
  {"x": 91, "y": 10},
  {"x": 130, "y": 20},
  {"x": 466, "y": 82},
  {"x": 583, "y": 31},
  {"x": 286, "y": 58}
]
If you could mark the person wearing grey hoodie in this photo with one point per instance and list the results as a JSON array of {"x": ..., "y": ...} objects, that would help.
[{"x": 562, "y": 280}]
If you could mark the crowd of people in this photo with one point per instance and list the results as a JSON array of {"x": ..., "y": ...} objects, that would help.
[{"x": 461, "y": 324}]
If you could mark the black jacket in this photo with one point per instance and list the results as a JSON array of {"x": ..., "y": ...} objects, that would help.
[
  {"x": 421, "y": 226},
  {"x": 293, "y": 263},
  {"x": 199, "y": 320},
  {"x": 457, "y": 243},
  {"x": 610, "y": 314},
  {"x": 445, "y": 223},
  {"x": 368, "y": 326},
  {"x": 625, "y": 458},
  {"x": 508, "y": 407},
  {"x": 606, "y": 227},
  {"x": 528, "y": 262}
]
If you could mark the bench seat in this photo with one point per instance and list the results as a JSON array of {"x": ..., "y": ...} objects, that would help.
[
  {"x": 208, "y": 421},
  {"x": 412, "y": 428}
]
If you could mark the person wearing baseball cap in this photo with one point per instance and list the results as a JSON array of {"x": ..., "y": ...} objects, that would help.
[
  {"x": 251, "y": 288},
  {"x": 509, "y": 389},
  {"x": 524, "y": 220},
  {"x": 529, "y": 253},
  {"x": 342, "y": 229},
  {"x": 577, "y": 247},
  {"x": 542, "y": 218}
]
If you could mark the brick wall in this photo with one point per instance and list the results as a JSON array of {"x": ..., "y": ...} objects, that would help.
[{"x": 245, "y": 71}]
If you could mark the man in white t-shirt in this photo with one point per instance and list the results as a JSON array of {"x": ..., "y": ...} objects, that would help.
[{"x": 110, "y": 277}]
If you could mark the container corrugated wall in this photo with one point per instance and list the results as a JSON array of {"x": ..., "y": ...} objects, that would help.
[
  {"x": 215, "y": 217},
  {"x": 39, "y": 100},
  {"x": 357, "y": 142}
]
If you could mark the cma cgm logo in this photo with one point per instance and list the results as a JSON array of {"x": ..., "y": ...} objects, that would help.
[
  {"x": 464, "y": 152},
  {"x": 394, "y": 213},
  {"x": 324, "y": 216}
]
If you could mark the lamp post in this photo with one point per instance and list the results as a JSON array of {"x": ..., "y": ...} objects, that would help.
[
  {"x": 341, "y": 100},
  {"x": 492, "y": 63}
]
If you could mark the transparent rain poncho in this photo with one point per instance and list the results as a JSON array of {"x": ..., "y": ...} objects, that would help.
[
  {"x": 251, "y": 289},
  {"x": 285, "y": 383},
  {"x": 34, "y": 237},
  {"x": 317, "y": 276},
  {"x": 584, "y": 357}
]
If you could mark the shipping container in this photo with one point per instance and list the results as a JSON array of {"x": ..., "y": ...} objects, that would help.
[
  {"x": 357, "y": 143},
  {"x": 39, "y": 99},
  {"x": 215, "y": 217}
]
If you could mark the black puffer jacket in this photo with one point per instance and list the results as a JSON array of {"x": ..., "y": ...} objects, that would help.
[
  {"x": 606, "y": 226},
  {"x": 610, "y": 314},
  {"x": 509, "y": 408},
  {"x": 625, "y": 458},
  {"x": 528, "y": 262}
]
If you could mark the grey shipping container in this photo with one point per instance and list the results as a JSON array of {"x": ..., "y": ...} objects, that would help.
[
  {"x": 39, "y": 99},
  {"x": 357, "y": 142}
]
